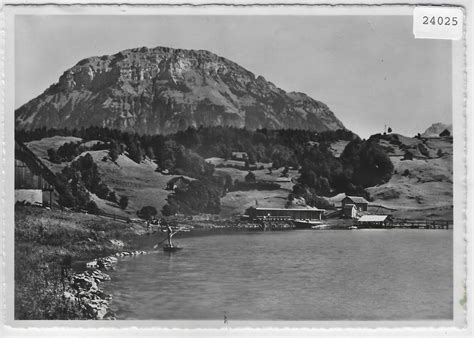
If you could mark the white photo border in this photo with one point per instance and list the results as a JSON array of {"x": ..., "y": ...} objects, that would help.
[{"x": 462, "y": 180}]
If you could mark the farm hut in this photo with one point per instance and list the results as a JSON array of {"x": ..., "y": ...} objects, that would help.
[
  {"x": 293, "y": 214},
  {"x": 445, "y": 133},
  {"x": 177, "y": 183},
  {"x": 33, "y": 180},
  {"x": 349, "y": 211},
  {"x": 239, "y": 155},
  {"x": 215, "y": 161},
  {"x": 360, "y": 202},
  {"x": 375, "y": 221}
]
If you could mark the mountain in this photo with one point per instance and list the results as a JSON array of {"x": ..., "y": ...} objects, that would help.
[
  {"x": 437, "y": 128},
  {"x": 163, "y": 90}
]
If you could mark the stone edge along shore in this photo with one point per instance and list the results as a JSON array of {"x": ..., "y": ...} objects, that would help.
[{"x": 85, "y": 287}]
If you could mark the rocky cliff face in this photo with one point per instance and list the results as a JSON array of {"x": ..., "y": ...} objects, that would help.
[{"x": 163, "y": 90}]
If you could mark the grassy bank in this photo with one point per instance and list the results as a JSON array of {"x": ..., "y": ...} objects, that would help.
[{"x": 44, "y": 239}]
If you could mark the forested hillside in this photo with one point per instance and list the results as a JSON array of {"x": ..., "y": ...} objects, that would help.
[{"x": 101, "y": 164}]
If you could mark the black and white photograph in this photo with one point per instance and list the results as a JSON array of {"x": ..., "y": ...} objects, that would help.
[{"x": 235, "y": 167}]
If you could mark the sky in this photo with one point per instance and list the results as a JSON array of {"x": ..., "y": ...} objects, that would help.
[{"x": 369, "y": 70}]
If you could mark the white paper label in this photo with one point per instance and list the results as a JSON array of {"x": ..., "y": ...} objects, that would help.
[{"x": 438, "y": 22}]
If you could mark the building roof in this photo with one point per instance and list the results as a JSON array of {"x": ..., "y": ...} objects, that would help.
[
  {"x": 24, "y": 154},
  {"x": 373, "y": 218},
  {"x": 293, "y": 209},
  {"x": 358, "y": 199}
]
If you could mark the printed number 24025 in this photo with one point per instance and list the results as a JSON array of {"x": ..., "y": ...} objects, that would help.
[{"x": 440, "y": 20}]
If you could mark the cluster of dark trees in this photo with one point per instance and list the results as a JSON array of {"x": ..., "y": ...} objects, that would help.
[
  {"x": 281, "y": 147},
  {"x": 65, "y": 153},
  {"x": 362, "y": 164},
  {"x": 171, "y": 152},
  {"x": 199, "y": 196},
  {"x": 78, "y": 179},
  {"x": 70, "y": 150},
  {"x": 164, "y": 150}
]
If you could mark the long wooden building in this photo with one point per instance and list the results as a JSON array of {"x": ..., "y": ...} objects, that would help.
[
  {"x": 33, "y": 180},
  {"x": 291, "y": 214}
]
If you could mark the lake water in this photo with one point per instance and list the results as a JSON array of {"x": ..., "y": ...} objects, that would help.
[{"x": 294, "y": 275}]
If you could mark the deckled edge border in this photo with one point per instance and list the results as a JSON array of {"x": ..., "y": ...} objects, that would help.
[{"x": 467, "y": 179}]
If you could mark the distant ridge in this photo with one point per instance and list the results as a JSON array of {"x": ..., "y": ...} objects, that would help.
[{"x": 163, "y": 90}]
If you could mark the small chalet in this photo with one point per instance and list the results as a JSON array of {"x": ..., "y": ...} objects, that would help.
[
  {"x": 177, "y": 183},
  {"x": 360, "y": 203},
  {"x": 239, "y": 155},
  {"x": 375, "y": 221},
  {"x": 445, "y": 133}
]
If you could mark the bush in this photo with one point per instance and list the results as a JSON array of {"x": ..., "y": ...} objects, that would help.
[
  {"x": 250, "y": 177},
  {"x": 112, "y": 197},
  {"x": 53, "y": 156},
  {"x": 92, "y": 207},
  {"x": 147, "y": 213},
  {"x": 169, "y": 210},
  {"x": 423, "y": 150},
  {"x": 123, "y": 202},
  {"x": 408, "y": 155}
]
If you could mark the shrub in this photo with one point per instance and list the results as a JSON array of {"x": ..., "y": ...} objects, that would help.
[
  {"x": 423, "y": 150},
  {"x": 169, "y": 210},
  {"x": 250, "y": 177},
  {"x": 147, "y": 213},
  {"x": 92, "y": 207},
  {"x": 408, "y": 155},
  {"x": 112, "y": 197},
  {"x": 123, "y": 202}
]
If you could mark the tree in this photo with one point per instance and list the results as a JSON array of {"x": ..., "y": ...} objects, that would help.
[
  {"x": 112, "y": 197},
  {"x": 251, "y": 212},
  {"x": 408, "y": 155},
  {"x": 169, "y": 210},
  {"x": 53, "y": 156},
  {"x": 123, "y": 202},
  {"x": 92, "y": 207},
  {"x": 389, "y": 130},
  {"x": 147, "y": 213},
  {"x": 250, "y": 177},
  {"x": 113, "y": 153}
]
